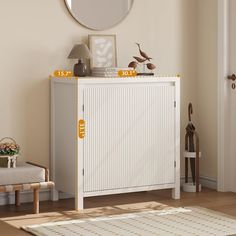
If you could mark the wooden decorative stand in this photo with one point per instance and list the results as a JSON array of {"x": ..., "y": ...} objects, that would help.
[
  {"x": 192, "y": 155},
  {"x": 195, "y": 186}
]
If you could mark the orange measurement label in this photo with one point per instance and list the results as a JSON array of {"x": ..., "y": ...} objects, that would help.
[
  {"x": 81, "y": 129},
  {"x": 127, "y": 73},
  {"x": 63, "y": 73}
]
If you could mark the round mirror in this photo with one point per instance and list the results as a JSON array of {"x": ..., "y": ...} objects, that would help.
[{"x": 99, "y": 14}]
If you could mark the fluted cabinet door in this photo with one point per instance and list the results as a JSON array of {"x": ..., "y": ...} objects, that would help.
[{"x": 130, "y": 136}]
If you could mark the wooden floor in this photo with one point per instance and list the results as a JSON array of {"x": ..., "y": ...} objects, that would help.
[{"x": 12, "y": 218}]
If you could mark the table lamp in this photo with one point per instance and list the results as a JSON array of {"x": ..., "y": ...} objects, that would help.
[{"x": 80, "y": 52}]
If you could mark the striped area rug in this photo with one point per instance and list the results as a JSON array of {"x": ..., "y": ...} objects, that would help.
[{"x": 176, "y": 221}]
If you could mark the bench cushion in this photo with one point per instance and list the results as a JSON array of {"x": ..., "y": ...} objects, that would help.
[{"x": 23, "y": 173}]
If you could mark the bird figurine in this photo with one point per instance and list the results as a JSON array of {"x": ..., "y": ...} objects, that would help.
[
  {"x": 150, "y": 66},
  {"x": 143, "y": 54},
  {"x": 133, "y": 64},
  {"x": 141, "y": 61}
]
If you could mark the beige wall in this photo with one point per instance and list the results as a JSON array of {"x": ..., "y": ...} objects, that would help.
[
  {"x": 207, "y": 85},
  {"x": 37, "y": 35}
]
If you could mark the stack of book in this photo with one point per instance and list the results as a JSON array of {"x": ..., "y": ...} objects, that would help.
[{"x": 107, "y": 71}]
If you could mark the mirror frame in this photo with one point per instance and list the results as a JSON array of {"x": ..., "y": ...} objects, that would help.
[{"x": 105, "y": 28}]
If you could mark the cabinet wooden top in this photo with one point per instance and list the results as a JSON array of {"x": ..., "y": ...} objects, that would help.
[{"x": 115, "y": 80}]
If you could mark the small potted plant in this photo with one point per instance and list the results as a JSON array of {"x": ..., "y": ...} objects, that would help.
[
  {"x": 9, "y": 151},
  {"x": 144, "y": 61}
]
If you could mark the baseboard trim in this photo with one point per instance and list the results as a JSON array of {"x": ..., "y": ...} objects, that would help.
[
  {"x": 45, "y": 194},
  {"x": 204, "y": 181}
]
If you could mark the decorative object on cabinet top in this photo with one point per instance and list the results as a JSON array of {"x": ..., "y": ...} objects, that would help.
[
  {"x": 81, "y": 52},
  {"x": 103, "y": 50},
  {"x": 141, "y": 62},
  {"x": 99, "y": 15},
  {"x": 112, "y": 72}
]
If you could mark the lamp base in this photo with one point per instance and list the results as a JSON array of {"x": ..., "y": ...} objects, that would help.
[{"x": 80, "y": 69}]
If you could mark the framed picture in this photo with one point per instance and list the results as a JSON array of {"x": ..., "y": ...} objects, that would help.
[{"x": 103, "y": 50}]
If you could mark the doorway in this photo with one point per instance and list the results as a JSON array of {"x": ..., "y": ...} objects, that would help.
[{"x": 227, "y": 95}]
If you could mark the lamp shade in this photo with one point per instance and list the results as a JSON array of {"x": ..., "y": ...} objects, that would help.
[{"x": 80, "y": 51}]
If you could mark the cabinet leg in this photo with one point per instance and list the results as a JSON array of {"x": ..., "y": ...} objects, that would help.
[
  {"x": 79, "y": 202},
  {"x": 176, "y": 193}
]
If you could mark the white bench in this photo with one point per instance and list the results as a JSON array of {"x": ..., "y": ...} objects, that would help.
[{"x": 28, "y": 176}]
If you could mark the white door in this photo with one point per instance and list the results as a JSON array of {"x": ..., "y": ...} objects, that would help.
[
  {"x": 227, "y": 95},
  {"x": 231, "y": 165},
  {"x": 130, "y": 136}
]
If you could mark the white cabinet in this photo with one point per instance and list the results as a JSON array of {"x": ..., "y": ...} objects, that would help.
[{"x": 131, "y": 138}]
